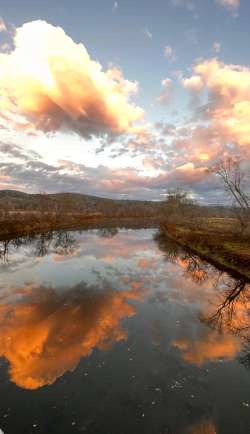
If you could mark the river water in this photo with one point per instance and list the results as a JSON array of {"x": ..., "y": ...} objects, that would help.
[{"x": 117, "y": 331}]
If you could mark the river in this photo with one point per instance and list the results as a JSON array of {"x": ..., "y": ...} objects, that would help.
[{"x": 116, "y": 331}]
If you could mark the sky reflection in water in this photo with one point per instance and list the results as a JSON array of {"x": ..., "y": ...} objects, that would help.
[{"x": 124, "y": 325}]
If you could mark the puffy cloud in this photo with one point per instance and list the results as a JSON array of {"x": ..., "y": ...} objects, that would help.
[
  {"x": 218, "y": 127},
  {"x": 46, "y": 334},
  {"x": 49, "y": 82},
  {"x": 227, "y": 107},
  {"x": 38, "y": 95},
  {"x": 193, "y": 83}
]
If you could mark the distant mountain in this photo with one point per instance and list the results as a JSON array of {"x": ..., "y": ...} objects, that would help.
[
  {"x": 76, "y": 202},
  {"x": 85, "y": 204}
]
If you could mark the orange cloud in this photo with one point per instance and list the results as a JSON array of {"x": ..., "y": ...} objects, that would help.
[
  {"x": 203, "y": 427},
  {"x": 228, "y": 107},
  {"x": 46, "y": 334},
  {"x": 52, "y": 83},
  {"x": 212, "y": 347}
]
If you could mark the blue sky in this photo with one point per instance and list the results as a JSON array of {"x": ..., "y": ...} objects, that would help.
[{"x": 132, "y": 36}]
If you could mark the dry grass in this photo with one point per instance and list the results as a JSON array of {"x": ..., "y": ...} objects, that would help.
[{"x": 216, "y": 239}]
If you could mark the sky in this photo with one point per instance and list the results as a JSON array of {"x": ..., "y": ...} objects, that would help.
[{"x": 123, "y": 99}]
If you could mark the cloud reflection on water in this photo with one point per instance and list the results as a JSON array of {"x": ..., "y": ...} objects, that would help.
[
  {"x": 45, "y": 329},
  {"x": 46, "y": 333}
]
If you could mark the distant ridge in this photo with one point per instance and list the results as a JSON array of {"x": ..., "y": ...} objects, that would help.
[
  {"x": 16, "y": 194},
  {"x": 86, "y": 204},
  {"x": 77, "y": 202}
]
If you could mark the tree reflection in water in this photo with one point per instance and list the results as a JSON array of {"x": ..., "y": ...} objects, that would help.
[
  {"x": 4, "y": 250},
  {"x": 229, "y": 310},
  {"x": 60, "y": 242},
  {"x": 107, "y": 232}
]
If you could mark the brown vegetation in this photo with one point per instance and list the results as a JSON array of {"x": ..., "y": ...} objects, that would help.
[
  {"x": 234, "y": 180},
  {"x": 214, "y": 239},
  {"x": 22, "y": 213},
  {"x": 224, "y": 239}
]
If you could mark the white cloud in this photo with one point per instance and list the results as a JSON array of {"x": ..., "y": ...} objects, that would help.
[
  {"x": 148, "y": 33},
  {"x": 217, "y": 47},
  {"x": 193, "y": 83},
  {"x": 50, "y": 83},
  {"x": 227, "y": 106},
  {"x": 169, "y": 53}
]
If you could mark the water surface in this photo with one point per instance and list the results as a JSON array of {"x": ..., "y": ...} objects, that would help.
[{"x": 111, "y": 331}]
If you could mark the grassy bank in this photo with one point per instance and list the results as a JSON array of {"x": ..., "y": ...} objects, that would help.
[{"x": 216, "y": 241}]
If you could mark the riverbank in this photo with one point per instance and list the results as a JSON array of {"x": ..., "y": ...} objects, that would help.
[
  {"x": 214, "y": 243},
  {"x": 30, "y": 224}
]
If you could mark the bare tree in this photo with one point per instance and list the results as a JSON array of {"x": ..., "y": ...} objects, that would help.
[
  {"x": 179, "y": 206},
  {"x": 234, "y": 180}
]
